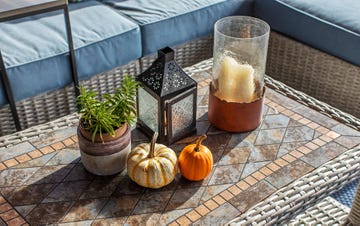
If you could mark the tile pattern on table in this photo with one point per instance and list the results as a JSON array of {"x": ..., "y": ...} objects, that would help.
[
  {"x": 9, "y": 215},
  {"x": 86, "y": 209},
  {"x": 45, "y": 182},
  {"x": 285, "y": 136}
]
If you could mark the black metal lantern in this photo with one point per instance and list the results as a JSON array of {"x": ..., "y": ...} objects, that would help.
[{"x": 166, "y": 100}]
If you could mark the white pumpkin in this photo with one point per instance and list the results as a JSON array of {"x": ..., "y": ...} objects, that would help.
[{"x": 152, "y": 165}]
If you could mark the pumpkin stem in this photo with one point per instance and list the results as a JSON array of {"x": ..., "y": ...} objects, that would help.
[
  {"x": 152, "y": 145},
  {"x": 198, "y": 142}
]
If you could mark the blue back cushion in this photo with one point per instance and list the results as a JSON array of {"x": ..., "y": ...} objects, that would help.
[
  {"x": 332, "y": 26},
  {"x": 36, "y": 52},
  {"x": 168, "y": 23}
]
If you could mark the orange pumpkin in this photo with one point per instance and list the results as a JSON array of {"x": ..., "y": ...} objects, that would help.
[{"x": 195, "y": 161}]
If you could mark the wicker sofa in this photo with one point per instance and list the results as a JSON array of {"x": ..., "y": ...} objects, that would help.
[{"x": 113, "y": 37}]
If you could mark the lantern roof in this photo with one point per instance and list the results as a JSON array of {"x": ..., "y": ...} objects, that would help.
[{"x": 165, "y": 77}]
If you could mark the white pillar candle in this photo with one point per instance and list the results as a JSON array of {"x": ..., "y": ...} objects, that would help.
[{"x": 236, "y": 81}]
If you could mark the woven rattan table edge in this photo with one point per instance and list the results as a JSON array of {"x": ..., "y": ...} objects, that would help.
[
  {"x": 327, "y": 211},
  {"x": 305, "y": 192}
]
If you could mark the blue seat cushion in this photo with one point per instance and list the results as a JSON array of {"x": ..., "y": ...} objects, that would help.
[
  {"x": 168, "y": 23},
  {"x": 36, "y": 53},
  {"x": 331, "y": 26}
]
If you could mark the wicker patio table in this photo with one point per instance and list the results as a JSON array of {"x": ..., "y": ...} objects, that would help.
[{"x": 302, "y": 151}]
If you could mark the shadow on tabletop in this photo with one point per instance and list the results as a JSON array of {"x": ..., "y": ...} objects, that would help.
[
  {"x": 68, "y": 193},
  {"x": 62, "y": 193}
]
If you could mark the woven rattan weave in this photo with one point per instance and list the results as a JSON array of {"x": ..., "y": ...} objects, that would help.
[
  {"x": 305, "y": 192},
  {"x": 320, "y": 75},
  {"x": 354, "y": 216},
  {"x": 52, "y": 105},
  {"x": 327, "y": 212}
]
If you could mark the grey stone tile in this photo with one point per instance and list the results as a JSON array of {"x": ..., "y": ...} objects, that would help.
[
  {"x": 270, "y": 136},
  {"x": 280, "y": 99},
  {"x": 300, "y": 133},
  {"x": 119, "y": 206},
  {"x": 242, "y": 139},
  {"x": 345, "y": 130},
  {"x": 169, "y": 216},
  {"x": 109, "y": 221},
  {"x": 217, "y": 142},
  {"x": 317, "y": 134},
  {"x": 49, "y": 174},
  {"x": 38, "y": 162},
  {"x": 202, "y": 114},
  {"x": 152, "y": 203},
  {"x": 285, "y": 148},
  {"x": 185, "y": 183},
  {"x": 77, "y": 223},
  {"x": 202, "y": 127},
  {"x": 292, "y": 123},
  {"x": 138, "y": 135},
  {"x": 226, "y": 174},
  {"x": 275, "y": 121},
  {"x": 84, "y": 210},
  {"x": 272, "y": 111},
  {"x": 203, "y": 91},
  {"x": 7, "y": 191},
  {"x": 53, "y": 137},
  {"x": 235, "y": 155},
  {"x": 64, "y": 157},
  {"x": 102, "y": 187},
  {"x": 127, "y": 187},
  {"x": 252, "y": 196},
  {"x": 211, "y": 191},
  {"x": 265, "y": 110},
  {"x": 48, "y": 213},
  {"x": 316, "y": 116},
  {"x": 252, "y": 167},
  {"x": 323, "y": 154},
  {"x": 263, "y": 153},
  {"x": 25, "y": 210},
  {"x": 16, "y": 150},
  {"x": 348, "y": 141},
  {"x": 79, "y": 173},
  {"x": 185, "y": 198},
  {"x": 67, "y": 191},
  {"x": 16, "y": 177},
  {"x": 32, "y": 194},
  {"x": 203, "y": 101},
  {"x": 289, "y": 173},
  {"x": 143, "y": 219},
  {"x": 219, "y": 216}
]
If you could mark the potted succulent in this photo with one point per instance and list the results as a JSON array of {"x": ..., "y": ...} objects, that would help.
[{"x": 104, "y": 128}]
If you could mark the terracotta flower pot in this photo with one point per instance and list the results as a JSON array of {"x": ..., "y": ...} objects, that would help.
[
  {"x": 108, "y": 157},
  {"x": 106, "y": 137}
]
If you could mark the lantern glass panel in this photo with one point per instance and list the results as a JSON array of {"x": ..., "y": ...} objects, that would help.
[
  {"x": 148, "y": 109},
  {"x": 182, "y": 115}
]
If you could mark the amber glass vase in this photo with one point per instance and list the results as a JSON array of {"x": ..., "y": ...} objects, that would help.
[{"x": 237, "y": 88}]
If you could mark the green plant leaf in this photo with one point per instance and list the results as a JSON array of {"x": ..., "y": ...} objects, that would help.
[{"x": 105, "y": 116}]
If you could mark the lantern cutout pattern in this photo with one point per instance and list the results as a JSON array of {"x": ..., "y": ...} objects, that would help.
[{"x": 166, "y": 100}]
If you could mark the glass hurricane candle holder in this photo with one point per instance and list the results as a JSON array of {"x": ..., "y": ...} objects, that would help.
[{"x": 237, "y": 88}]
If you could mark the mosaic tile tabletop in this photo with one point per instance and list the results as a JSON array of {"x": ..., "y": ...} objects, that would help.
[{"x": 42, "y": 181}]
